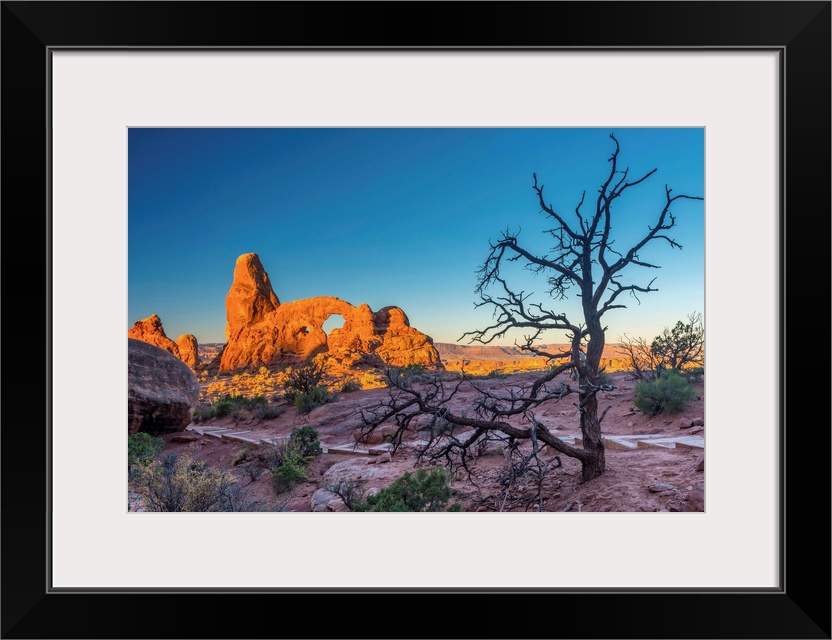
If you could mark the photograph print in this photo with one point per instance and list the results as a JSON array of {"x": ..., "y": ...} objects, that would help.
[{"x": 416, "y": 320}]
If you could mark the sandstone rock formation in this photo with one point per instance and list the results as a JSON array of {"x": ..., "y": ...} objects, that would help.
[
  {"x": 150, "y": 330},
  {"x": 188, "y": 350},
  {"x": 161, "y": 390},
  {"x": 262, "y": 331},
  {"x": 251, "y": 297}
]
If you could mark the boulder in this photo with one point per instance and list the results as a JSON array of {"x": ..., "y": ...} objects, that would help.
[
  {"x": 161, "y": 390},
  {"x": 150, "y": 330},
  {"x": 696, "y": 500},
  {"x": 188, "y": 350},
  {"x": 263, "y": 332}
]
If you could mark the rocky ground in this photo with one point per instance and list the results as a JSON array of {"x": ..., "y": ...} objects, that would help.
[{"x": 648, "y": 477}]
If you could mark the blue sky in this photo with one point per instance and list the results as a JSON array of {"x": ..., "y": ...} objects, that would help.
[{"x": 394, "y": 217}]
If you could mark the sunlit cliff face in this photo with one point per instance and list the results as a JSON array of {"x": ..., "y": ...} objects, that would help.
[{"x": 263, "y": 331}]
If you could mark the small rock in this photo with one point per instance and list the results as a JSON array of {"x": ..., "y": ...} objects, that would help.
[
  {"x": 659, "y": 487},
  {"x": 685, "y": 423},
  {"x": 372, "y": 491},
  {"x": 696, "y": 430},
  {"x": 666, "y": 494},
  {"x": 605, "y": 508},
  {"x": 385, "y": 457},
  {"x": 674, "y": 507},
  {"x": 696, "y": 500},
  {"x": 321, "y": 499},
  {"x": 183, "y": 438},
  {"x": 701, "y": 465},
  {"x": 336, "y": 504},
  {"x": 630, "y": 425},
  {"x": 699, "y": 422}
]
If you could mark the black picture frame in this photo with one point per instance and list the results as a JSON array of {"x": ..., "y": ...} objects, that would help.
[{"x": 799, "y": 31}]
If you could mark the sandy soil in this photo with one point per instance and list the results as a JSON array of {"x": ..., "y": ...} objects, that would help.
[{"x": 644, "y": 479}]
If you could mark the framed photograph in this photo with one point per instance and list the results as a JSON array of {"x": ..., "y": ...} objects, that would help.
[{"x": 98, "y": 98}]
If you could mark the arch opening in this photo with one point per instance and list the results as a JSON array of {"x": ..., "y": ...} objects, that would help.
[{"x": 335, "y": 321}]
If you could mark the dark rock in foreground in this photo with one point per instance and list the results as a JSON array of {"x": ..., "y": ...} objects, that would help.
[{"x": 161, "y": 390}]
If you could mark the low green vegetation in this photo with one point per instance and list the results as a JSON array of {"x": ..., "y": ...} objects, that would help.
[
  {"x": 604, "y": 378},
  {"x": 349, "y": 385},
  {"x": 288, "y": 463},
  {"x": 304, "y": 386},
  {"x": 178, "y": 482},
  {"x": 669, "y": 392},
  {"x": 309, "y": 400},
  {"x": 409, "y": 374},
  {"x": 420, "y": 491},
  {"x": 693, "y": 374},
  {"x": 240, "y": 408},
  {"x": 142, "y": 448}
]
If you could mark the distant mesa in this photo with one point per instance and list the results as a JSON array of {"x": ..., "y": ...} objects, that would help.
[
  {"x": 150, "y": 330},
  {"x": 262, "y": 331}
]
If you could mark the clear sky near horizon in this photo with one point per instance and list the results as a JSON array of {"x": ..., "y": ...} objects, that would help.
[{"x": 396, "y": 217}]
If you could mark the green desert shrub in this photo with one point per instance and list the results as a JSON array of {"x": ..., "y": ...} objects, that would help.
[
  {"x": 409, "y": 374},
  {"x": 303, "y": 380},
  {"x": 315, "y": 397},
  {"x": 304, "y": 386},
  {"x": 288, "y": 463},
  {"x": 421, "y": 491},
  {"x": 668, "y": 393},
  {"x": 693, "y": 374},
  {"x": 142, "y": 448},
  {"x": 178, "y": 482},
  {"x": 239, "y": 408},
  {"x": 292, "y": 469},
  {"x": 306, "y": 439},
  {"x": 348, "y": 385}
]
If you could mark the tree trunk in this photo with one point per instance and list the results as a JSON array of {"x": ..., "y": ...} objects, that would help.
[
  {"x": 593, "y": 444},
  {"x": 590, "y": 425}
]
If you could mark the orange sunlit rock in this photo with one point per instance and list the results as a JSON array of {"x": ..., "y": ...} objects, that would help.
[
  {"x": 261, "y": 331},
  {"x": 188, "y": 350},
  {"x": 150, "y": 330}
]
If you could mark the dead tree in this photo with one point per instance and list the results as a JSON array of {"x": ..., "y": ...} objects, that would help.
[{"x": 583, "y": 259}]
